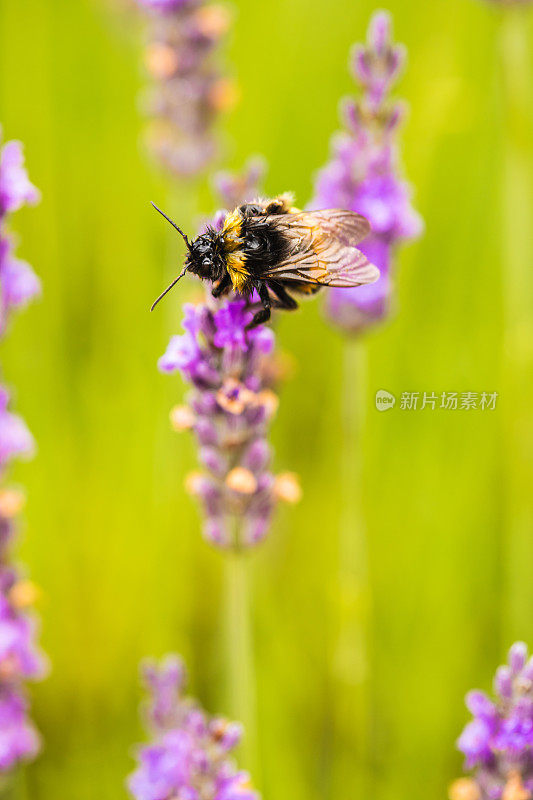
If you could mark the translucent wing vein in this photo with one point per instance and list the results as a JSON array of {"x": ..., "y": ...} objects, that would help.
[{"x": 322, "y": 249}]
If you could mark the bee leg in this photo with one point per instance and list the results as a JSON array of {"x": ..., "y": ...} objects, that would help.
[
  {"x": 285, "y": 300},
  {"x": 264, "y": 314},
  {"x": 222, "y": 286}
]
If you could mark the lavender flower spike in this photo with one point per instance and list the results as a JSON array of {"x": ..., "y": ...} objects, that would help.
[
  {"x": 229, "y": 410},
  {"x": 363, "y": 175},
  {"x": 189, "y": 756},
  {"x": 20, "y": 658},
  {"x": 498, "y": 742},
  {"x": 188, "y": 92}
]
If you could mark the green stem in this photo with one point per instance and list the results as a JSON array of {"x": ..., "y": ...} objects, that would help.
[
  {"x": 13, "y": 786},
  {"x": 351, "y": 655},
  {"x": 240, "y": 678},
  {"x": 517, "y": 265}
]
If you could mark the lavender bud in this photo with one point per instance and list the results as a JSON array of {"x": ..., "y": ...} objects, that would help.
[
  {"x": 257, "y": 456},
  {"x": 212, "y": 460},
  {"x": 255, "y": 530},
  {"x": 204, "y": 403},
  {"x": 517, "y": 657},
  {"x": 527, "y": 672},
  {"x": 208, "y": 491},
  {"x": 216, "y": 531},
  {"x": 479, "y": 704},
  {"x": 380, "y": 33},
  {"x": 241, "y": 480},
  {"x": 206, "y": 431},
  {"x": 227, "y": 735},
  {"x": 503, "y": 683}
]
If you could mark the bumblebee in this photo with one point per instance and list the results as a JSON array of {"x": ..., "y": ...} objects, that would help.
[{"x": 277, "y": 250}]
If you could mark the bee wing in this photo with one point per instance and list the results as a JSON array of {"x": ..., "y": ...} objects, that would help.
[{"x": 321, "y": 249}]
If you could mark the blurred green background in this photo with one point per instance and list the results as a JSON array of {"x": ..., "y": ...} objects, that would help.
[{"x": 111, "y": 536}]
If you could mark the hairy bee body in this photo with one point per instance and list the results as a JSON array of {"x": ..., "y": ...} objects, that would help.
[{"x": 273, "y": 248}]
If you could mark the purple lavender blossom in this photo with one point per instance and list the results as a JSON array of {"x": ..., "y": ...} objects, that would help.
[
  {"x": 18, "y": 282},
  {"x": 20, "y": 658},
  {"x": 188, "y": 92},
  {"x": 189, "y": 756},
  {"x": 498, "y": 742},
  {"x": 15, "y": 438},
  {"x": 229, "y": 411},
  {"x": 363, "y": 175},
  {"x": 165, "y": 5},
  {"x": 15, "y": 187},
  {"x": 19, "y": 741},
  {"x": 236, "y": 188},
  {"x": 19, "y": 655}
]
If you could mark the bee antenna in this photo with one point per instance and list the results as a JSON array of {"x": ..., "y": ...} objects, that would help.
[
  {"x": 174, "y": 282},
  {"x": 185, "y": 238}
]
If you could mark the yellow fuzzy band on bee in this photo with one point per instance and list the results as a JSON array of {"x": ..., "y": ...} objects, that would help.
[
  {"x": 237, "y": 271},
  {"x": 235, "y": 258},
  {"x": 232, "y": 230}
]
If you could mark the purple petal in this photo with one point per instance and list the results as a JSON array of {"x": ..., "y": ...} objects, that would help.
[
  {"x": 517, "y": 657},
  {"x": 15, "y": 187}
]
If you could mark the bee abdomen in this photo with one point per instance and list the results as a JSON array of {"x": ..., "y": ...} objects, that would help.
[{"x": 263, "y": 247}]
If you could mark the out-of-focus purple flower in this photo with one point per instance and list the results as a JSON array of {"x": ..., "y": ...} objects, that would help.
[
  {"x": 165, "y": 683},
  {"x": 498, "y": 742},
  {"x": 19, "y": 655},
  {"x": 19, "y": 740},
  {"x": 15, "y": 438},
  {"x": 165, "y": 5},
  {"x": 236, "y": 188},
  {"x": 18, "y": 282},
  {"x": 15, "y": 187},
  {"x": 363, "y": 175},
  {"x": 187, "y": 91},
  {"x": 20, "y": 658},
  {"x": 189, "y": 754}
]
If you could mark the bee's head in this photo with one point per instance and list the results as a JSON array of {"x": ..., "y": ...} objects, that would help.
[{"x": 203, "y": 256}]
